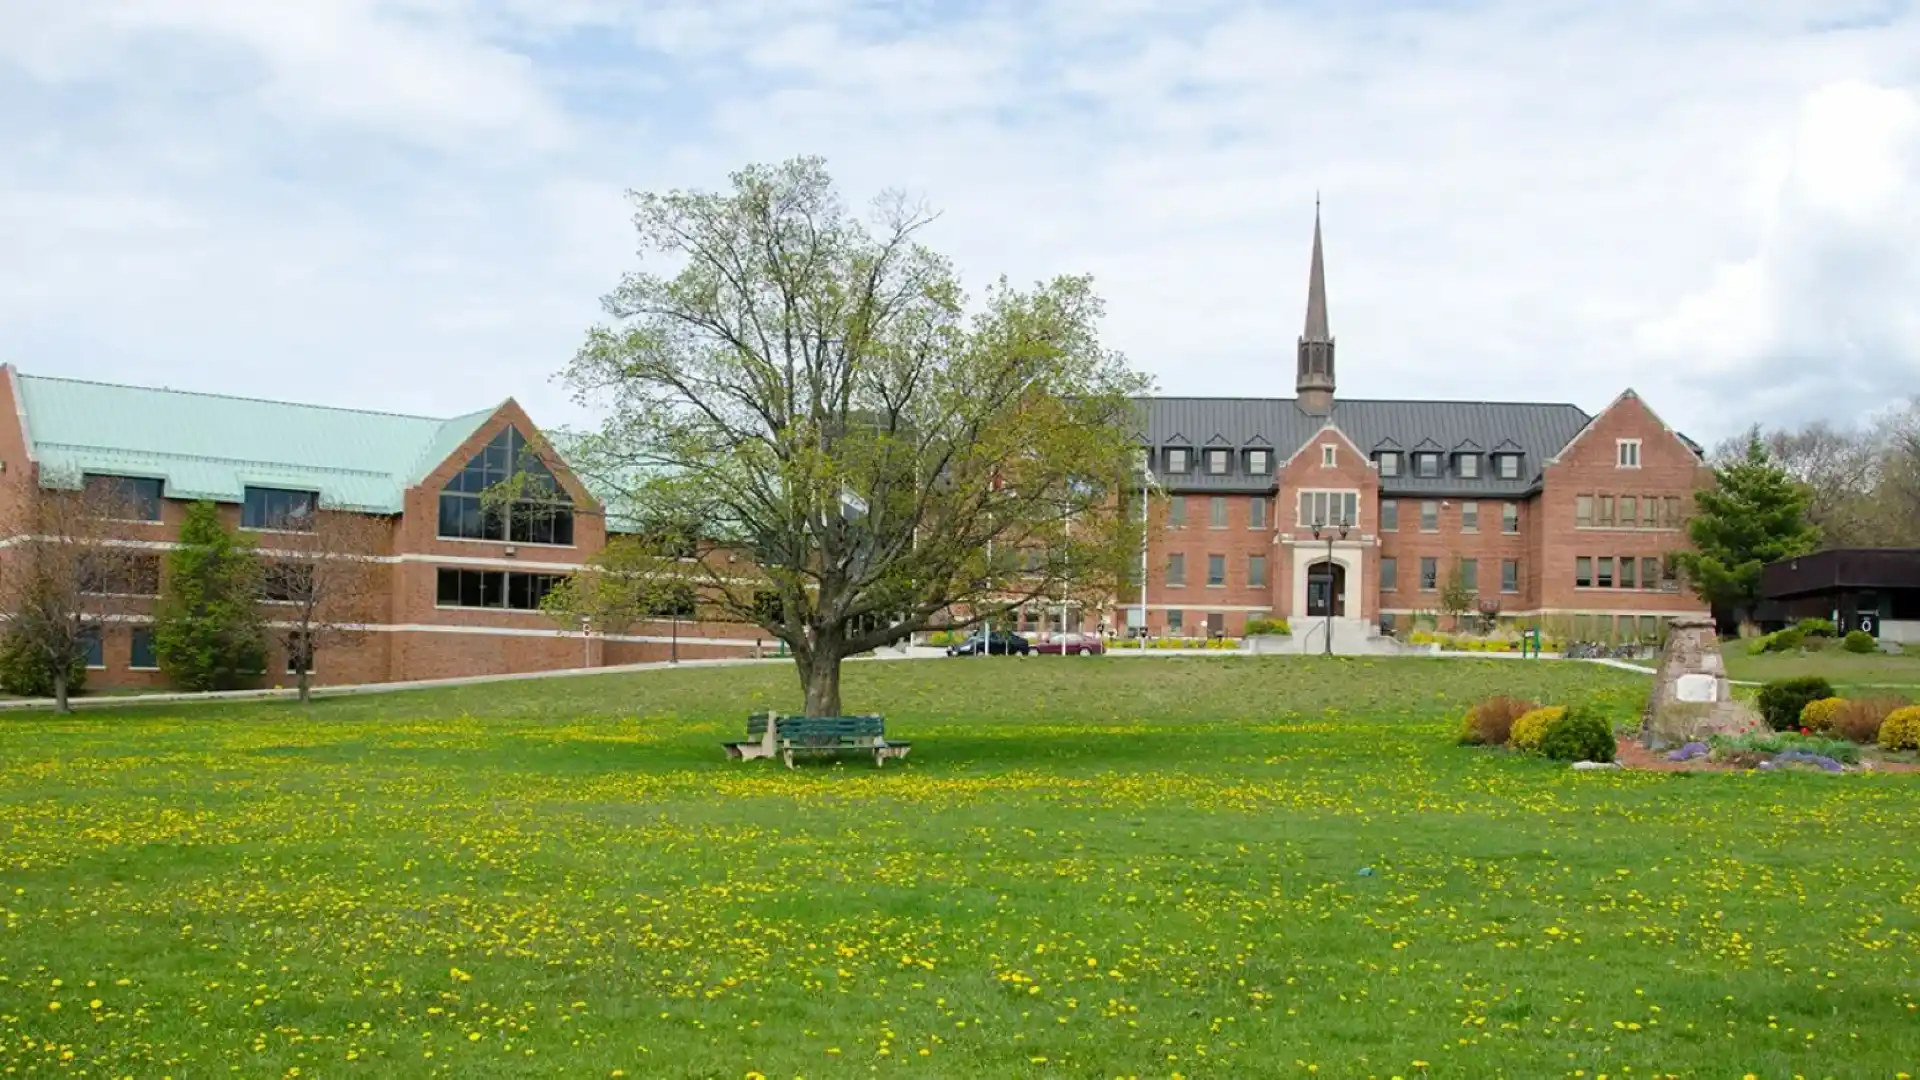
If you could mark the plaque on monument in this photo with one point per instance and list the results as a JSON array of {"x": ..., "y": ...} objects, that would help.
[{"x": 1696, "y": 687}]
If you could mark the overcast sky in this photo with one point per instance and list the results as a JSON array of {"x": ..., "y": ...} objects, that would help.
[{"x": 416, "y": 204}]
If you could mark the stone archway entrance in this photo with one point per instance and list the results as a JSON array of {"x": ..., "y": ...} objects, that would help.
[{"x": 1326, "y": 590}]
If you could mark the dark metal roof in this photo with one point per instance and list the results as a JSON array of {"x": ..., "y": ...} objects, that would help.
[
  {"x": 1538, "y": 431},
  {"x": 1842, "y": 568}
]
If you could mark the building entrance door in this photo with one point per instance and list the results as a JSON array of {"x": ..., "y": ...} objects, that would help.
[{"x": 1326, "y": 590}]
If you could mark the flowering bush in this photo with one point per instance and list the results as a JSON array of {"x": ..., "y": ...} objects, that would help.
[
  {"x": 1532, "y": 727},
  {"x": 1689, "y": 752},
  {"x": 1817, "y": 715},
  {"x": 1901, "y": 731},
  {"x": 1267, "y": 626}
]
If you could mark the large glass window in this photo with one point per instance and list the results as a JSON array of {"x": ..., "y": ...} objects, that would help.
[
  {"x": 132, "y": 498},
  {"x": 1329, "y": 508},
  {"x": 539, "y": 512},
  {"x": 1429, "y": 573},
  {"x": 1470, "y": 575},
  {"x": 1509, "y": 575},
  {"x": 493, "y": 589},
  {"x": 278, "y": 509},
  {"x": 1469, "y": 517}
]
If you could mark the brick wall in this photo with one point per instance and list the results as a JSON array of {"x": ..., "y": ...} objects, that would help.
[{"x": 1589, "y": 465}]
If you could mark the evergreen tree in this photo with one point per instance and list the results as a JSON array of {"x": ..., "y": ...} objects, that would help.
[
  {"x": 207, "y": 631},
  {"x": 1753, "y": 515}
]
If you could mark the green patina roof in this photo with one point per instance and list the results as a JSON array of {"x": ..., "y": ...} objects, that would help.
[{"x": 211, "y": 446}]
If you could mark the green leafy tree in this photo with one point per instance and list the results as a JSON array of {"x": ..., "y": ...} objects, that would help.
[
  {"x": 863, "y": 450},
  {"x": 633, "y": 579},
  {"x": 1753, "y": 515},
  {"x": 207, "y": 631}
]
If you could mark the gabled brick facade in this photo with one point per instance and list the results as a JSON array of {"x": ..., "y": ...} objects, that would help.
[
  {"x": 1499, "y": 499},
  {"x": 417, "y": 636}
]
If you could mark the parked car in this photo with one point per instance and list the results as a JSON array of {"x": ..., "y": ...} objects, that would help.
[
  {"x": 1070, "y": 645},
  {"x": 1002, "y": 644}
]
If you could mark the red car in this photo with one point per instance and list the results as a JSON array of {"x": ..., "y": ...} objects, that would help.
[{"x": 1070, "y": 645}]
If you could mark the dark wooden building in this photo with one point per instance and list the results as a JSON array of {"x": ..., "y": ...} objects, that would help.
[{"x": 1871, "y": 589}]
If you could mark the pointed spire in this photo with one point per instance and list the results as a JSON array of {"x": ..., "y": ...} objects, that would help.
[{"x": 1316, "y": 285}]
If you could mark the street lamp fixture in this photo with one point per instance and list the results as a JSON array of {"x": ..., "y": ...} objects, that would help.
[{"x": 1320, "y": 528}]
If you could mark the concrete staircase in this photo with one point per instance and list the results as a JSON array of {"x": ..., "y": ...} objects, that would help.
[{"x": 1351, "y": 637}]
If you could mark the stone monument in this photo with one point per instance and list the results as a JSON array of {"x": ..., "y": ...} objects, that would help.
[{"x": 1691, "y": 698}]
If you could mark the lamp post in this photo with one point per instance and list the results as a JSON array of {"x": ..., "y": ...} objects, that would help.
[
  {"x": 1147, "y": 488},
  {"x": 1318, "y": 528},
  {"x": 586, "y": 641}
]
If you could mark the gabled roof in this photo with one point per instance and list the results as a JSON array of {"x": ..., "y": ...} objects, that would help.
[
  {"x": 213, "y": 446},
  {"x": 1465, "y": 446},
  {"x": 1219, "y": 440},
  {"x": 1537, "y": 430},
  {"x": 1508, "y": 446}
]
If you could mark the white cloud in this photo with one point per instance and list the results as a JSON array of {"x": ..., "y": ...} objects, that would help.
[
  {"x": 416, "y": 202},
  {"x": 1818, "y": 318}
]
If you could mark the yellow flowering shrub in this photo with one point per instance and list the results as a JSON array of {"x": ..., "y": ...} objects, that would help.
[
  {"x": 1818, "y": 714},
  {"x": 1532, "y": 727},
  {"x": 1901, "y": 731}
]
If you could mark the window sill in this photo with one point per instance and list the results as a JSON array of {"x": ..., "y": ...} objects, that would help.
[
  {"x": 507, "y": 610},
  {"x": 96, "y": 667},
  {"x": 276, "y": 532},
  {"x": 506, "y": 543},
  {"x": 130, "y": 667}
]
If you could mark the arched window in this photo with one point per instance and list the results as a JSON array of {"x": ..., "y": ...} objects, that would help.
[{"x": 539, "y": 512}]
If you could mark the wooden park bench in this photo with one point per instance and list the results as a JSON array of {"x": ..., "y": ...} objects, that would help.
[{"x": 769, "y": 734}]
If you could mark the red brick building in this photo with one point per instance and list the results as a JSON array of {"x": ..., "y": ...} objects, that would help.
[
  {"x": 1545, "y": 511},
  {"x": 462, "y": 587}
]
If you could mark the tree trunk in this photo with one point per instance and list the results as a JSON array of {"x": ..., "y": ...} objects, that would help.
[
  {"x": 60, "y": 703},
  {"x": 304, "y": 680},
  {"x": 820, "y": 676}
]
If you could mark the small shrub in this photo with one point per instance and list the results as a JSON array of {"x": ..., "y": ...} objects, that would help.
[
  {"x": 1578, "y": 734},
  {"x": 25, "y": 671},
  {"x": 1490, "y": 723},
  {"x": 1859, "y": 720},
  {"x": 1267, "y": 626},
  {"x": 1816, "y": 627},
  {"x": 1901, "y": 730},
  {"x": 1531, "y": 727},
  {"x": 1859, "y": 641},
  {"x": 1817, "y": 715},
  {"x": 1781, "y": 700}
]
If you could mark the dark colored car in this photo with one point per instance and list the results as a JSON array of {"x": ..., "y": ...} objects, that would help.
[
  {"x": 1002, "y": 644},
  {"x": 1071, "y": 645}
]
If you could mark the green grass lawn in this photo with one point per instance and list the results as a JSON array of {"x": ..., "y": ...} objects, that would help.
[
  {"x": 1858, "y": 671},
  {"x": 1145, "y": 867}
]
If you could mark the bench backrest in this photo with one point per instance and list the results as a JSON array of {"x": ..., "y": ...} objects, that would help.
[{"x": 820, "y": 727}]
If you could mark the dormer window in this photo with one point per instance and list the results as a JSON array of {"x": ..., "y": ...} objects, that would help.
[
  {"x": 1468, "y": 466},
  {"x": 1178, "y": 459},
  {"x": 1508, "y": 466},
  {"x": 1259, "y": 462},
  {"x": 1218, "y": 461},
  {"x": 1389, "y": 463},
  {"x": 1426, "y": 466}
]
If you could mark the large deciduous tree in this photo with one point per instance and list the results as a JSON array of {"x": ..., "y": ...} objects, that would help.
[
  {"x": 324, "y": 585},
  {"x": 1753, "y": 515},
  {"x": 63, "y": 580},
  {"x": 858, "y": 450}
]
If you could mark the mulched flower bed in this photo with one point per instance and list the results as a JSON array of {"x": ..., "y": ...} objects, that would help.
[{"x": 1632, "y": 755}]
